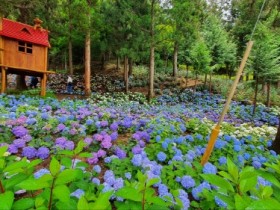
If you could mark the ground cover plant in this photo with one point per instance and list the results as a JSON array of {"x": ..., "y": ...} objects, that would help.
[{"x": 119, "y": 152}]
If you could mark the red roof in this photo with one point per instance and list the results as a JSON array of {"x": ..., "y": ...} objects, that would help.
[{"x": 24, "y": 32}]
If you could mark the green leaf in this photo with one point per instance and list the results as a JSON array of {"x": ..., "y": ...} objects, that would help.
[
  {"x": 54, "y": 167},
  {"x": 39, "y": 201},
  {"x": 233, "y": 170},
  {"x": 129, "y": 193},
  {"x": 264, "y": 204},
  {"x": 6, "y": 200},
  {"x": 218, "y": 181},
  {"x": 14, "y": 180},
  {"x": 34, "y": 163},
  {"x": 32, "y": 184},
  {"x": 226, "y": 175},
  {"x": 241, "y": 202},
  {"x": 85, "y": 154},
  {"x": 152, "y": 181},
  {"x": 82, "y": 204},
  {"x": 2, "y": 163},
  {"x": 66, "y": 176},
  {"x": 248, "y": 184},
  {"x": 24, "y": 203},
  {"x": 71, "y": 205},
  {"x": 102, "y": 202},
  {"x": 62, "y": 193},
  {"x": 79, "y": 148},
  {"x": 16, "y": 166},
  {"x": 3, "y": 149},
  {"x": 267, "y": 192},
  {"x": 67, "y": 162}
]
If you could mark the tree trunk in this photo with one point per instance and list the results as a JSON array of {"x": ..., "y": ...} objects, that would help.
[
  {"x": 210, "y": 83},
  {"x": 256, "y": 94},
  {"x": 247, "y": 77},
  {"x": 20, "y": 83},
  {"x": 87, "y": 64},
  {"x": 166, "y": 60},
  {"x": 268, "y": 94},
  {"x": 118, "y": 63},
  {"x": 130, "y": 66},
  {"x": 175, "y": 59},
  {"x": 276, "y": 143},
  {"x": 70, "y": 57},
  {"x": 152, "y": 53},
  {"x": 205, "y": 80},
  {"x": 126, "y": 74},
  {"x": 70, "y": 47}
]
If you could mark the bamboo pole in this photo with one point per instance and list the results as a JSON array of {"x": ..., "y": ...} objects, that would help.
[
  {"x": 3, "y": 80},
  {"x": 216, "y": 129}
]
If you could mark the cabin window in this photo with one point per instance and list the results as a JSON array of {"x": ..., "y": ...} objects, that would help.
[{"x": 25, "y": 47}]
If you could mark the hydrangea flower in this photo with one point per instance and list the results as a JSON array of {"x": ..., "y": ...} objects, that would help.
[
  {"x": 137, "y": 160},
  {"x": 97, "y": 168},
  {"x": 220, "y": 202},
  {"x": 78, "y": 193},
  {"x": 183, "y": 196},
  {"x": 29, "y": 152},
  {"x": 96, "y": 181},
  {"x": 118, "y": 184},
  {"x": 161, "y": 156},
  {"x": 19, "y": 131},
  {"x": 41, "y": 172},
  {"x": 187, "y": 182},
  {"x": 120, "y": 153},
  {"x": 222, "y": 160},
  {"x": 43, "y": 153},
  {"x": 127, "y": 175},
  {"x": 209, "y": 168}
]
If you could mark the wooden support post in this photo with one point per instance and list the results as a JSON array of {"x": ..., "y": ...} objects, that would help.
[
  {"x": 3, "y": 80},
  {"x": 43, "y": 85}
]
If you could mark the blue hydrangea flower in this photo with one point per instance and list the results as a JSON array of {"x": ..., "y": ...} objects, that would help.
[
  {"x": 187, "y": 182},
  {"x": 209, "y": 168},
  {"x": 137, "y": 160},
  {"x": 158, "y": 138},
  {"x": 222, "y": 160},
  {"x": 97, "y": 169},
  {"x": 127, "y": 175},
  {"x": 41, "y": 172},
  {"x": 220, "y": 202},
  {"x": 118, "y": 184},
  {"x": 161, "y": 156},
  {"x": 183, "y": 196},
  {"x": 256, "y": 164},
  {"x": 78, "y": 193},
  {"x": 96, "y": 181}
]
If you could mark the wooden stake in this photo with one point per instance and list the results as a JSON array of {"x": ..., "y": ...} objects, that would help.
[{"x": 216, "y": 130}]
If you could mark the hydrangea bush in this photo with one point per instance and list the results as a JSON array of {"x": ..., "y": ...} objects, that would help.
[{"x": 120, "y": 152}]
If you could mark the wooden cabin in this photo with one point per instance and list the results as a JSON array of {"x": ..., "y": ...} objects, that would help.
[{"x": 23, "y": 51}]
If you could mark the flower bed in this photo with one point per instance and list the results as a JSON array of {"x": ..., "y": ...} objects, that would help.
[{"x": 120, "y": 152}]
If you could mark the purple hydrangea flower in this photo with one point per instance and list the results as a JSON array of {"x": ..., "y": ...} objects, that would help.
[
  {"x": 120, "y": 153},
  {"x": 13, "y": 149},
  {"x": 69, "y": 145},
  {"x": 136, "y": 149},
  {"x": 88, "y": 140},
  {"x": 114, "y": 126},
  {"x": 29, "y": 152},
  {"x": 61, "y": 127},
  {"x": 19, "y": 131},
  {"x": 101, "y": 153},
  {"x": 19, "y": 143},
  {"x": 43, "y": 153},
  {"x": 114, "y": 136}
]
